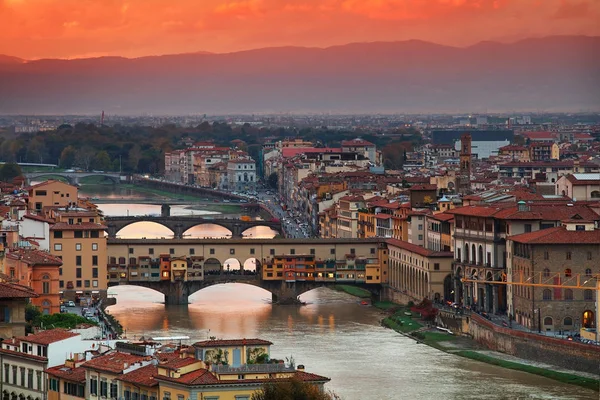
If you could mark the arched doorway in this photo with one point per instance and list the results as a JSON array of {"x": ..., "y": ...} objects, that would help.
[
  {"x": 212, "y": 266},
  {"x": 232, "y": 266},
  {"x": 251, "y": 266},
  {"x": 480, "y": 259},
  {"x": 473, "y": 254},
  {"x": 448, "y": 288},
  {"x": 588, "y": 320}
]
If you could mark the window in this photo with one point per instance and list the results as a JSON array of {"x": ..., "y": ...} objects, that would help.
[
  {"x": 78, "y": 246},
  {"x": 57, "y": 247},
  {"x": 231, "y": 251},
  {"x": 171, "y": 251},
  {"x": 332, "y": 252},
  {"x": 546, "y": 255},
  {"x": 78, "y": 260},
  {"x": 150, "y": 251},
  {"x": 312, "y": 252},
  {"x": 272, "y": 252},
  {"x": 22, "y": 373},
  {"x": 86, "y": 283},
  {"x": 103, "y": 388},
  {"x": 548, "y": 321},
  {"x": 78, "y": 235},
  {"x": 54, "y": 385},
  {"x": 45, "y": 287},
  {"x": 211, "y": 251},
  {"x": 292, "y": 251},
  {"x": 372, "y": 250},
  {"x": 568, "y": 321},
  {"x": 94, "y": 260},
  {"x": 94, "y": 246},
  {"x": 568, "y": 272},
  {"x": 192, "y": 252},
  {"x": 547, "y": 294},
  {"x": 588, "y": 295},
  {"x": 546, "y": 272},
  {"x": 78, "y": 284},
  {"x": 568, "y": 255},
  {"x": 30, "y": 378},
  {"x": 61, "y": 284},
  {"x": 588, "y": 272},
  {"x": 589, "y": 255},
  {"x": 436, "y": 266},
  {"x": 131, "y": 250},
  {"x": 94, "y": 272},
  {"x": 527, "y": 228},
  {"x": 58, "y": 234},
  {"x": 568, "y": 294},
  {"x": 14, "y": 374},
  {"x": 252, "y": 251},
  {"x": 40, "y": 192},
  {"x": 78, "y": 273}
]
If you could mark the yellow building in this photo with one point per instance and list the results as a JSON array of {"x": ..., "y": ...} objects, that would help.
[
  {"x": 13, "y": 299},
  {"x": 139, "y": 383},
  {"x": 66, "y": 382},
  {"x": 51, "y": 194},
  {"x": 78, "y": 239},
  {"x": 179, "y": 269}
]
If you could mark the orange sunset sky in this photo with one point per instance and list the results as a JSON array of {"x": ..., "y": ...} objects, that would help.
[{"x": 34, "y": 29}]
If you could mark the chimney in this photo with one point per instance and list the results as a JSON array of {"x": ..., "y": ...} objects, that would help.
[{"x": 300, "y": 367}]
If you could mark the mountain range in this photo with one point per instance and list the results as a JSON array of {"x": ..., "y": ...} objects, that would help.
[{"x": 559, "y": 73}]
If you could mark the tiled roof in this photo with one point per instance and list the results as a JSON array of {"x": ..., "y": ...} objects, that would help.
[
  {"x": 176, "y": 363},
  {"x": 546, "y": 212},
  {"x": 442, "y": 216},
  {"x": 63, "y": 226},
  {"x": 114, "y": 362},
  {"x": 418, "y": 249},
  {"x": 69, "y": 374},
  {"x": 143, "y": 376},
  {"x": 308, "y": 377},
  {"x": 356, "y": 142},
  {"x": 13, "y": 291},
  {"x": 48, "y": 337},
  {"x": 34, "y": 257},
  {"x": 423, "y": 187},
  {"x": 198, "y": 377},
  {"x": 48, "y": 182},
  {"x": 558, "y": 235},
  {"x": 23, "y": 355},
  {"x": 232, "y": 342}
]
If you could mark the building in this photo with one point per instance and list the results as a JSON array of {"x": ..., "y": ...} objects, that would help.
[
  {"x": 418, "y": 272},
  {"x": 347, "y": 218},
  {"x": 51, "y": 193},
  {"x": 361, "y": 146},
  {"x": 241, "y": 174},
  {"x": 78, "y": 239},
  {"x": 515, "y": 153},
  {"x": 543, "y": 151},
  {"x": 485, "y": 143},
  {"x": 570, "y": 254},
  {"x": 39, "y": 270},
  {"x": 551, "y": 171},
  {"x": 24, "y": 360},
  {"x": 67, "y": 381},
  {"x": 13, "y": 299},
  {"x": 579, "y": 186}
]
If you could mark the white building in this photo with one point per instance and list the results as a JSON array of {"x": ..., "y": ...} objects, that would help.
[
  {"x": 241, "y": 174},
  {"x": 360, "y": 146},
  {"x": 37, "y": 228}
]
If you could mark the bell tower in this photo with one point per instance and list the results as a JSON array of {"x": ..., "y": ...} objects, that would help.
[{"x": 464, "y": 179}]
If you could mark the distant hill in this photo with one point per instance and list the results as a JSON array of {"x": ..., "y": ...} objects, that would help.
[
  {"x": 559, "y": 73},
  {"x": 10, "y": 60}
]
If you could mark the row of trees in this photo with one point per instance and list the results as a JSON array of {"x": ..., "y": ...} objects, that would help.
[{"x": 141, "y": 149}]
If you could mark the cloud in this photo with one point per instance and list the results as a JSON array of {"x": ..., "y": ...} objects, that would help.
[{"x": 569, "y": 10}]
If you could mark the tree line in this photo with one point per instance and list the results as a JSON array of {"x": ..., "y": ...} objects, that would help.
[{"x": 141, "y": 149}]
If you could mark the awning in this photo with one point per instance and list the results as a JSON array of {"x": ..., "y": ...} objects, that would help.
[
  {"x": 95, "y": 291},
  {"x": 79, "y": 292},
  {"x": 61, "y": 292}
]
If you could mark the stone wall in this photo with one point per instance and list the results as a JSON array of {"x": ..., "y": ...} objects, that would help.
[
  {"x": 390, "y": 294},
  {"x": 530, "y": 346}
]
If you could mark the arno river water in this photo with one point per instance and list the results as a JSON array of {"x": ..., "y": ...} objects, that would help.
[{"x": 333, "y": 336}]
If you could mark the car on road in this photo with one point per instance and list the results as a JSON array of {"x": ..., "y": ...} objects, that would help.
[
  {"x": 70, "y": 304},
  {"x": 63, "y": 309}
]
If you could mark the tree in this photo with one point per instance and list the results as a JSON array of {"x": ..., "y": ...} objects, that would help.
[
  {"x": 10, "y": 171},
  {"x": 293, "y": 389},
  {"x": 84, "y": 157},
  {"x": 102, "y": 161},
  {"x": 67, "y": 157},
  {"x": 273, "y": 180}
]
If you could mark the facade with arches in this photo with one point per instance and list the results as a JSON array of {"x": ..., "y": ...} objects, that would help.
[
  {"x": 418, "y": 272},
  {"x": 39, "y": 270},
  {"x": 568, "y": 255}
]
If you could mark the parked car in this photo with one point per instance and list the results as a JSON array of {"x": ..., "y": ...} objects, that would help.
[
  {"x": 71, "y": 304},
  {"x": 63, "y": 309}
]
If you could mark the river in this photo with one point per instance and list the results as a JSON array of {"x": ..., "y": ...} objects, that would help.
[{"x": 332, "y": 336}]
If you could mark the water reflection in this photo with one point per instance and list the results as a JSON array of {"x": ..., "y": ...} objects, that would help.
[{"x": 336, "y": 337}]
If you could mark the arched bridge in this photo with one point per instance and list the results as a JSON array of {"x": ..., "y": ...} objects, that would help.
[
  {"x": 179, "y": 224},
  {"x": 72, "y": 177},
  {"x": 283, "y": 292}
]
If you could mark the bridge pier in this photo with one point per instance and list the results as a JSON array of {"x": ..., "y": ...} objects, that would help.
[{"x": 176, "y": 293}]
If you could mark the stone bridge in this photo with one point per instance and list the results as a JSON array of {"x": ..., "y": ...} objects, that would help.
[
  {"x": 179, "y": 224},
  {"x": 283, "y": 292},
  {"x": 72, "y": 177}
]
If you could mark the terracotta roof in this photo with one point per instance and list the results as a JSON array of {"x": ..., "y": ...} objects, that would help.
[
  {"x": 418, "y": 249},
  {"x": 176, "y": 363},
  {"x": 573, "y": 179},
  {"x": 48, "y": 337},
  {"x": 38, "y": 218},
  {"x": 423, "y": 187},
  {"x": 513, "y": 147},
  {"x": 13, "y": 291},
  {"x": 69, "y": 374},
  {"x": 356, "y": 142},
  {"x": 535, "y": 211},
  {"x": 442, "y": 216},
  {"x": 232, "y": 342},
  {"x": 49, "y": 181},
  {"x": 63, "y": 226},
  {"x": 558, "y": 235},
  {"x": 114, "y": 362},
  {"x": 34, "y": 257},
  {"x": 198, "y": 377},
  {"x": 308, "y": 377},
  {"x": 23, "y": 355},
  {"x": 143, "y": 376}
]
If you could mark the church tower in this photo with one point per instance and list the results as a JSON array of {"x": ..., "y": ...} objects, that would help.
[{"x": 464, "y": 181}]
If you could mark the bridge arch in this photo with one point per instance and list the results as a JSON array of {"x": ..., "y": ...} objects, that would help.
[
  {"x": 259, "y": 231},
  {"x": 168, "y": 233},
  {"x": 198, "y": 231}
]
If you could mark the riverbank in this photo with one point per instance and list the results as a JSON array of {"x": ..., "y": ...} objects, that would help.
[
  {"x": 408, "y": 323},
  {"x": 353, "y": 290}
]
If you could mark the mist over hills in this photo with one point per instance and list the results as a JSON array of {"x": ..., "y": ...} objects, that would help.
[{"x": 560, "y": 73}]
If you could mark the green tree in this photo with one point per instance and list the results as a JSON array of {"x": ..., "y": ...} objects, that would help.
[
  {"x": 273, "y": 180},
  {"x": 102, "y": 161},
  {"x": 293, "y": 389},
  {"x": 10, "y": 171},
  {"x": 67, "y": 157}
]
